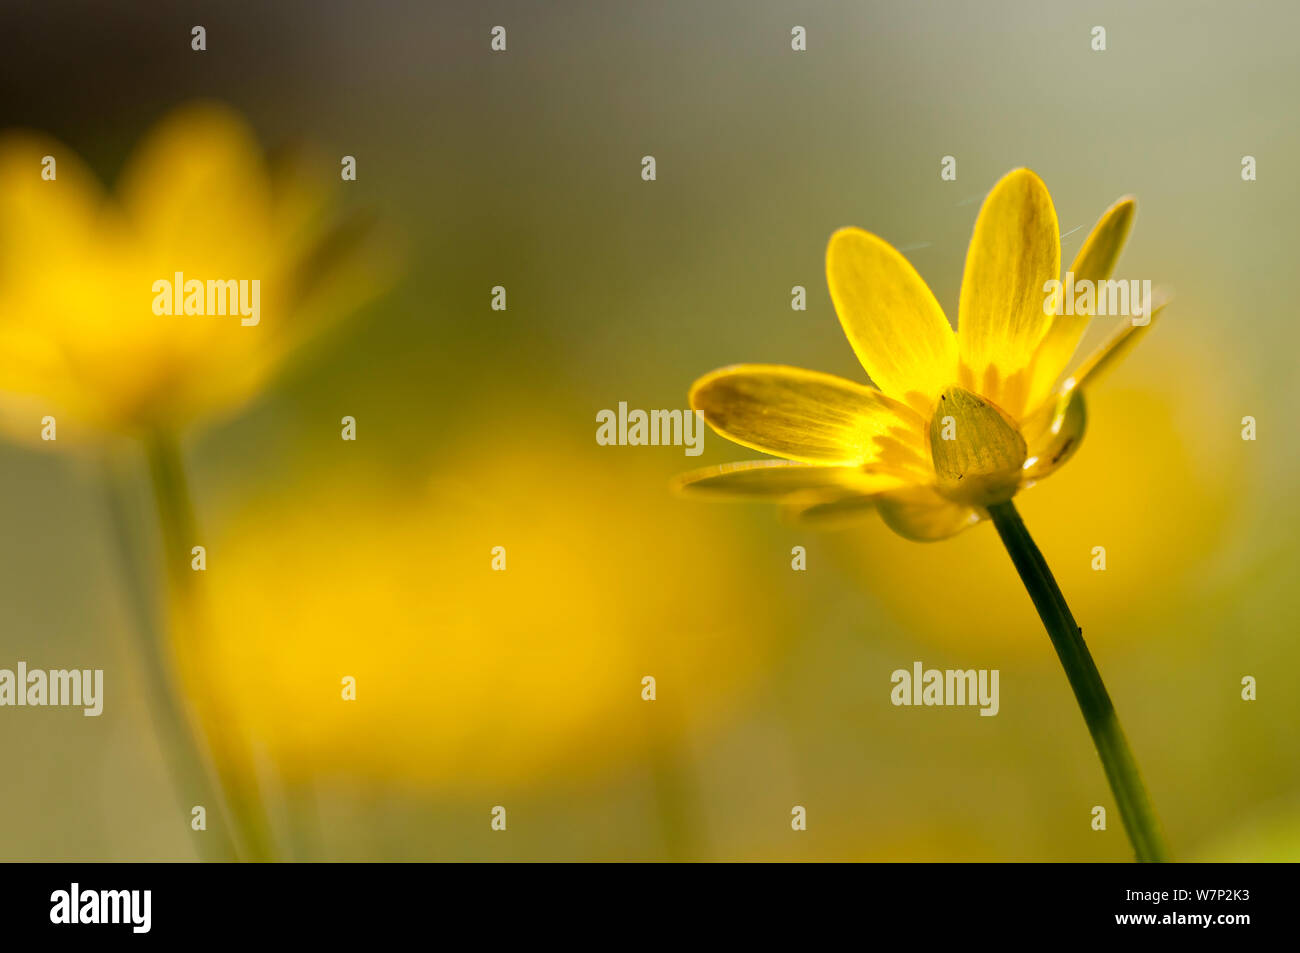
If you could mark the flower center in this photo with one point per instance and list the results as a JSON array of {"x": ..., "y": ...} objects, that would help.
[{"x": 977, "y": 449}]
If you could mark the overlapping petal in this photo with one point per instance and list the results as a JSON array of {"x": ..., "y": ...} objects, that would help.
[
  {"x": 1055, "y": 431},
  {"x": 1095, "y": 262},
  {"x": 810, "y": 417},
  {"x": 1054, "y": 434},
  {"x": 921, "y": 514},
  {"x": 1115, "y": 348},
  {"x": 831, "y": 512},
  {"x": 779, "y": 479}
]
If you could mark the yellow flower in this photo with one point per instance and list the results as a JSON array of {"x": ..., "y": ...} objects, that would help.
[
  {"x": 533, "y": 672},
  {"x": 956, "y": 422},
  {"x": 79, "y": 332}
]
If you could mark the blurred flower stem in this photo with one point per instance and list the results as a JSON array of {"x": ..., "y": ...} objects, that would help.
[
  {"x": 1116, "y": 757},
  {"x": 674, "y": 801},
  {"x": 177, "y": 735},
  {"x": 231, "y": 755},
  {"x": 302, "y": 815}
]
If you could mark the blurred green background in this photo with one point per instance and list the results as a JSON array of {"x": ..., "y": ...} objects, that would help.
[{"x": 476, "y": 429}]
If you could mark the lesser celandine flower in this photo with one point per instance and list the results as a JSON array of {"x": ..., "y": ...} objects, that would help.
[
  {"x": 957, "y": 423},
  {"x": 172, "y": 301},
  {"x": 524, "y": 676},
  {"x": 80, "y": 336}
]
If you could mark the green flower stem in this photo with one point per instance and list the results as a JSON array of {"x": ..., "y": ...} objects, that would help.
[
  {"x": 1067, "y": 638},
  {"x": 230, "y": 753},
  {"x": 180, "y": 744}
]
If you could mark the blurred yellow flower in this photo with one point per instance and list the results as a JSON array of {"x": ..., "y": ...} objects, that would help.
[
  {"x": 467, "y": 674},
  {"x": 176, "y": 299},
  {"x": 78, "y": 272},
  {"x": 959, "y": 421}
]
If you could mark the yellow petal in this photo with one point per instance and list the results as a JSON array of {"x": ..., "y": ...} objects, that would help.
[
  {"x": 198, "y": 194},
  {"x": 811, "y": 417},
  {"x": 195, "y": 199},
  {"x": 1095, "y": 262},
  {"x": 891, "y": 317},
  {"x": 1117, "y": 346},
  {"x": 1054, "y": 435},
  {"x": 332, "y": 262},
  {"x": 923, "y": 515},
  {"x": 43, "y": 220},
  {"x": 48, "y": 233},
  {"x": 775, "y": 479},
  {"x": 1055, "y": 431},
  {"x": 1014, "y": 252},
  {"x": 52, "y": 271},
  {"x": 831, "y": 513}
]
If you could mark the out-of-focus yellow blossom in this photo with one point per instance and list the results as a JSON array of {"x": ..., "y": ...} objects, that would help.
[
  {"x": 957, "y": 421},
  {"x": 78, "y": 332},
  {"x": 466, "y": 675}
]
